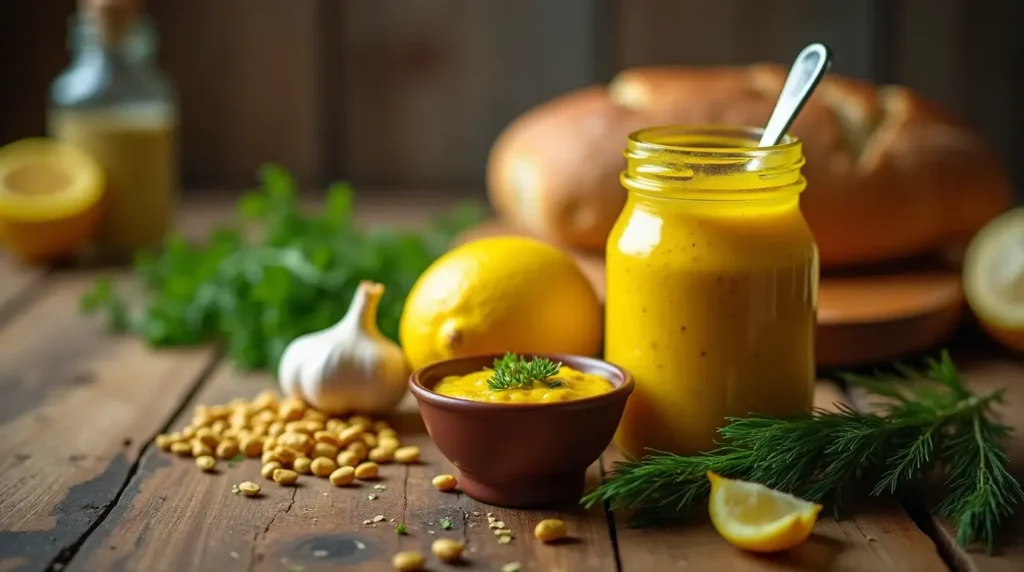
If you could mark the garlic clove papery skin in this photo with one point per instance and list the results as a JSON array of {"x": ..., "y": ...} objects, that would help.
[{"x": 349, "y": 367}]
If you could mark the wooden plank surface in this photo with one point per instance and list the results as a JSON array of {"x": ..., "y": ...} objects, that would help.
[
  {"x": 78, "y": 406},
  {"x": 880, "y": 537},
  {"x": 15, "y": 280},
  {"x": 174, "y": 517}
]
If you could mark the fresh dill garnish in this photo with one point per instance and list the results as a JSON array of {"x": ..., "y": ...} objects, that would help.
[
  {"x": 552, "y": 384},
  {"x": 927, "y": 423},
  {"x": 400, "y": 529},
  {"x": 512, "y": 371},
  {"x": 446, "y": 523}
]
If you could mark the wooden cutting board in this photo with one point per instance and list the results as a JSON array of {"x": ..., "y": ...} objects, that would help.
[{"x": 864, "y": 318}]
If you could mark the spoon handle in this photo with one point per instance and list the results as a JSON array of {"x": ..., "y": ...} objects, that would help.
[{"x": 810, "y": 65}]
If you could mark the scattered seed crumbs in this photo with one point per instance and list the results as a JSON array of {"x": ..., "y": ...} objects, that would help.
[
  {"x": 367, "y": 521},
  {"x": 512, "y": 567},
  {"x": 430, "y": 532},
  {"x": 380, "y": 487},
  {"x": 401, "y": 530},
  {"x": 378, "y": 518},
  {"x": 477, "y": 513},
  {"x": 497, "y": 524},
  {"x": 234, "y": 555},
  {"x": 320, "y": 553},
  {"x": 503, "y": 531},
  {"x": 446, "y": 523},
  {"x": 372, "y": 496},
  {"x": 235, "y": 489},
  {"x": 504, "y": 539}
]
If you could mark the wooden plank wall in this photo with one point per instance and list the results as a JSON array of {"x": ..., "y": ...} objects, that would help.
[{"x": 410, "y": 93}]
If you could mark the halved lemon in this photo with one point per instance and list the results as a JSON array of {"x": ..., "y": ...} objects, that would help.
[
  {"x": 757, "y": 518},
  {"x": 49, "y": 198},
  {"x": 994, "y": 277}
]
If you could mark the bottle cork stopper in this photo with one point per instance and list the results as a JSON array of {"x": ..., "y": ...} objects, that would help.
[{"x": 112, "y": 18}]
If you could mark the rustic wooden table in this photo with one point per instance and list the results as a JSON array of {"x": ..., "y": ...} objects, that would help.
[{"x": 82, "y": 487}]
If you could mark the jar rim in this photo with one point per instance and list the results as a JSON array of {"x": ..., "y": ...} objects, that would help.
[
  {"x": 721, "y": 161},
  {"x": 661, "y": 138}
]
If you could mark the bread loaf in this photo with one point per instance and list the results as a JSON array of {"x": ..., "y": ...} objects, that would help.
[{"x": 890, "y": 175}]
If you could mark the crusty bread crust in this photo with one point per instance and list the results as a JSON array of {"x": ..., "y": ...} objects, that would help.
[{"x": 890, "y": 175}]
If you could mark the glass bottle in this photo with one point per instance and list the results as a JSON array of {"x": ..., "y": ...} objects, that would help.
[
  {"x": 712, "y": 285},
  {"x": 114, "y": 103}
]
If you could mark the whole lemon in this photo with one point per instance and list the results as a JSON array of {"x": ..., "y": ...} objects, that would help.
[{"x": 496, "y": 295}]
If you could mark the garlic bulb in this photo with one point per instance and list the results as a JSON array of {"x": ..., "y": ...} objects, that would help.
[{"x": 350, "y": 366}]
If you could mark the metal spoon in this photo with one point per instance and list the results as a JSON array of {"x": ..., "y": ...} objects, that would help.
[{"x": 811, "y": 64}]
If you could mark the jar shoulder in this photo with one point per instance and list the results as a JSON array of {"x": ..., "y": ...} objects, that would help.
[
  {"x": 96, "y": 82},
  {"x": 730, "y": 235}
]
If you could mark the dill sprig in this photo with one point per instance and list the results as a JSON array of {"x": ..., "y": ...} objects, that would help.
[
  {"x": 512, "y": 371},
  {"x": 926, "y": 423}
]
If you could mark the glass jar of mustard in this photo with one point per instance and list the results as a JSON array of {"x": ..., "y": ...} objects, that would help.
[{"x": 712, "y": 282}]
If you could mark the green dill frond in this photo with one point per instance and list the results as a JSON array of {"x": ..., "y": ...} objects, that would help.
[
  {"x": 512, "y": 371},
  {"x": 928, "y": 421}
]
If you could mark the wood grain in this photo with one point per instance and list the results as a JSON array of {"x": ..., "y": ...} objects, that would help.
[
  {"x": 15, "y": 280},
  {"x": 429, "y": 84},
  {"x": 78, "y": 407},
  {"x": 736, "y": 32},
  {"x": 27, "y": 77},
  {"x": 174, "y": 517},
  {"x": 248, "y": 76},
  {"x": 880, "y": 537}
]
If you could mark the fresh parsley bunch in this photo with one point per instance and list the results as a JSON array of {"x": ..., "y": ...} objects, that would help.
[{"x": 298, "y": 274}]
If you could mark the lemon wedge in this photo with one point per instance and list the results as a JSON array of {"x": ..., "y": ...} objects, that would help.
[
  {"x": 994, "y": 278},
  {"x": 756, "y": 518}
]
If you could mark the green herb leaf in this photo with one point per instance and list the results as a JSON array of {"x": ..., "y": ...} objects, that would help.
[
  {"x": 930, "y": 422},
  {"x": 234, "y": 461},
  {"x": 400, "y": 529},
  {"x": 254, "y": 292},
  {"x": 103, "y": 298},
  {"x": 512, "y": 372},
  {"x": 446, "y": 523}
]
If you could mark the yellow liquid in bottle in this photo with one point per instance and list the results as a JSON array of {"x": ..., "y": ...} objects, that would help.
[{"x": 137, "y": 148}]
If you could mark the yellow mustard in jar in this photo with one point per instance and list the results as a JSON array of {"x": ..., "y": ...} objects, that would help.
[
  {"x": 712, "y": 284},
  {"x": 513, "y": 380}
]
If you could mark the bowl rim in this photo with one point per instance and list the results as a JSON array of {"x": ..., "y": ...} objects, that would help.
[{"x": 423, "y": 394}]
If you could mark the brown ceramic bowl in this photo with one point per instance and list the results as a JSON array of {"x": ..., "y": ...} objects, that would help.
[{"x": 521, "y": 454}]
